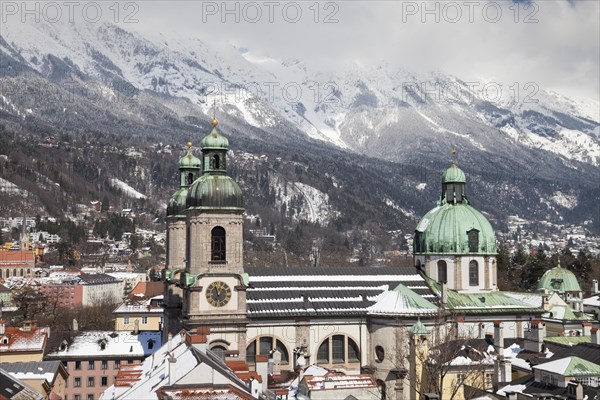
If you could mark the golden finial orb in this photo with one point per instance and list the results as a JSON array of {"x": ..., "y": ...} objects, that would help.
[
  {"x": 214, "y": 122},
  {"x": 189, "y": 145}
]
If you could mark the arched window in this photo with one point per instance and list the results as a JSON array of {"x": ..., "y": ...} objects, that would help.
[
  {"x": 265, "y": 345},
  {"x": 215, "y": 161},
  {"x": 190, "y": 178},
  {"x": 338, "y": 349},
  {"x": 21, "y": 272},
  {"x": 14, "y": 272},
  {"x": 219, "y": 351},
  {"x": 473, "y": 273},
  {"x": 442, "y": 271},
  {"x": 217, "y": 248}
]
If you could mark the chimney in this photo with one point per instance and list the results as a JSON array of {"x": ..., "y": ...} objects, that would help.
[
  {"x": 275, "y": 363},
  {"x": 75, "y": 325},
  {"x": 498, "y": 336},
  {"x": 594, "y": 334},
  {"x": 586, "y": 328},
  {"x": 444, "y": 293},
  {"x": 262, "y": 369},
  {"x": 26, "y": 326},
  {"x": 329, "y": 383},
  {"x": 594, "y": 286},
  {"x": 136, "y": 326},
  {"x": 534, "y": 337},
  {"x": 502, "y": 369},
  {"x": 481, "y": 330},
  {"x": 170, "y": 343},
  {"x": 2, "y": 327}
]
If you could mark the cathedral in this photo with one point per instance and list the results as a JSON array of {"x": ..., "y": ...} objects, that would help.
[{"x": 352, "y": 319}]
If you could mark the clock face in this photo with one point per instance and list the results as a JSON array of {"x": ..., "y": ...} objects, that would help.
[{"x": 218, "y": 294}]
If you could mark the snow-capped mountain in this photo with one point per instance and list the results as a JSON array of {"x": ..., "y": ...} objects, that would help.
[
  {"x": 518, "y": 143},
  {"x": 378, "y": 111}
]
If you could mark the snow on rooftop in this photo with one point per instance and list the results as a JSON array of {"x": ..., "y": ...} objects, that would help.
[
  {"x": 338, "y": 278},
  {"x": 108, "y": 343}
]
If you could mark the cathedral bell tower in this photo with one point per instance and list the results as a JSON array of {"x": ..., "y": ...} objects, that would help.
[
  {"x": 189, "y": 171},
  {"x": 214, "y": 283}
]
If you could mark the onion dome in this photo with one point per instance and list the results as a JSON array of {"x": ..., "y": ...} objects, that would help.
[
  {"x": 559, "y": 280},
  {"x": 214, "y": 140},
  {"x": 454, "y": 175},
  {"x": 215, "y": 190},
  {"x": 177, "y": 203},
  {"x": 189, "y": 170},
  {"x": 189, "y": 160},
  {"x": 454, "y": 226}
]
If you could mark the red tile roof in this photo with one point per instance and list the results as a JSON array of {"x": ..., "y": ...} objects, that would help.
[
  {"x": 19, "y": 340},
  {"x": 16, "y": 258}
]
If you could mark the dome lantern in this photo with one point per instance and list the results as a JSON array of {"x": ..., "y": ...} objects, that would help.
[{"x": 215, "y": 190}]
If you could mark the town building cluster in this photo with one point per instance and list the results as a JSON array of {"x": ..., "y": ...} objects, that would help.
[{"x": 214, "y": 328}]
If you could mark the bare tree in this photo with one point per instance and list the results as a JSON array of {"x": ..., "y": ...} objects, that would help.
[{"x": 444, "y": 359}]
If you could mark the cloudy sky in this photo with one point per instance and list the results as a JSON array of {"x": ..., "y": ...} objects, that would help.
[{"x": 554, "y": 43}]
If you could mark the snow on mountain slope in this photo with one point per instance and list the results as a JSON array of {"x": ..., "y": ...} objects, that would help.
[{"x": 383, "y": 111}]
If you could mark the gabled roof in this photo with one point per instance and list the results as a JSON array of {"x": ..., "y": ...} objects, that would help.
[
  {"x": 570, "y": 366},
  {"x": 12, "y": 388}
]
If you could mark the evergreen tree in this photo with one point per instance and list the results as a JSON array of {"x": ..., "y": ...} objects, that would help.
[{"x": 534, "y": 269}]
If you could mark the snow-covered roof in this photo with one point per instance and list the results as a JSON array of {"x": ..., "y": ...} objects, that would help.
[
  {"x": 593, "y": 301},
  {"x": 570, "y": 366},
  {"x": 174, "y": 364},
  {"x": 21, "y": 339},
  {"x": 122, "y": 344},
  {"x": 141, "y": 306},
  {"x": 339, "y": 382},
  {"x": 403, "y": 301}
]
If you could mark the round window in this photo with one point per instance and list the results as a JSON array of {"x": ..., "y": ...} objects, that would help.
[{"x": 379, "y": 353}]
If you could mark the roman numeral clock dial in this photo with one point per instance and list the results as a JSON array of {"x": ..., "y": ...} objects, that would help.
[{"x": 218, "y": 294}]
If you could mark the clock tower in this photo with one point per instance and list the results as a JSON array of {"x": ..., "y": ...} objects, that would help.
[{"x": 214, "y": 283}]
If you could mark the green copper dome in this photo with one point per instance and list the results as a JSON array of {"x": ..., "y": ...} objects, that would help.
[
  {"x": 177, "y": 203},
  {"x": 189, "y": 160},
  {"x": 559, "y": 280},
  {"x": 214, "y": 140},
  {"x": 454, "y": 226},
  {"x": 215, "y": 192},
  {"x": 446, "y": 230},
  {"x": 454, "y": 175}
]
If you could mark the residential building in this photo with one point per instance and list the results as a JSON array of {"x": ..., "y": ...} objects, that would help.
[
  {"x": 101, "y": 288},
  {"x": 13, "y": 389},
  {"x": 23, "y": 344},
  {"x": 47, "y": 377},
  {"x": 94, "y": 358},
  {"x": 141, "y": 315}
]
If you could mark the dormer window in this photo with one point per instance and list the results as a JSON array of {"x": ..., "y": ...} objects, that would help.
[
  {"x": 4, "y": 340},
  {"x": 473, "y": 236},
  {"x": 103, "y": 344},
  {"x": 63, "y": 345}
]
